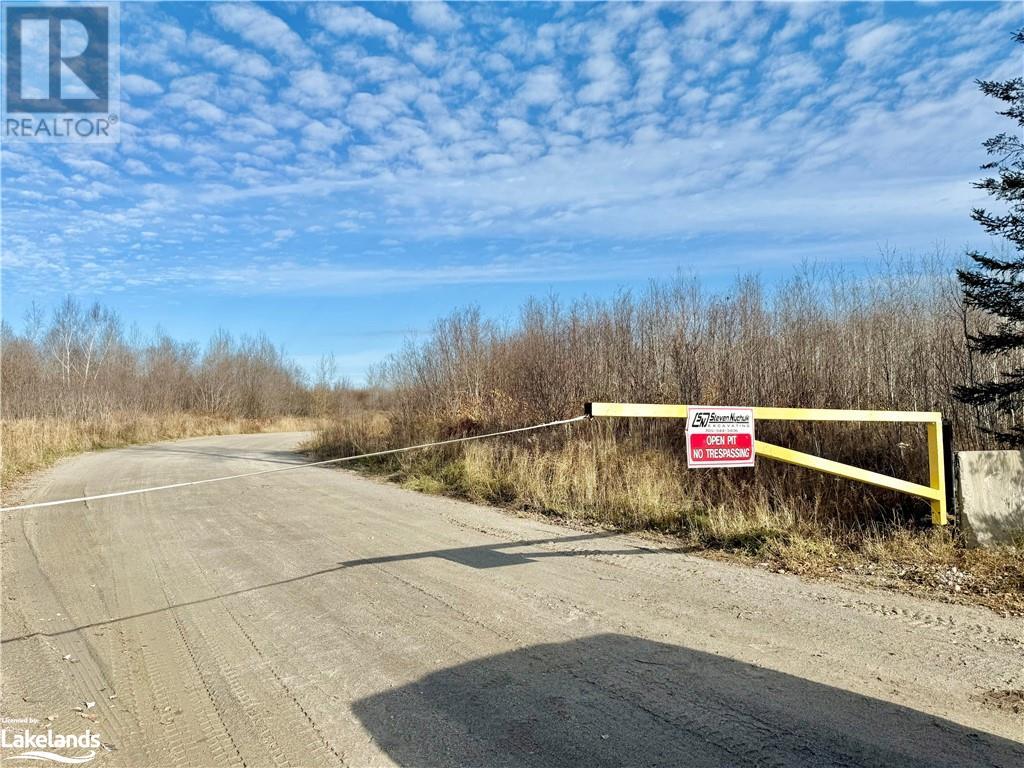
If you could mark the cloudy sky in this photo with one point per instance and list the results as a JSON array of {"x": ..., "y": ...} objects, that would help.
[{"x": 339, "y": 175}]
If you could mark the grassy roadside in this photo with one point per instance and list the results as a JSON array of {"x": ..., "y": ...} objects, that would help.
[
  {"x": 598, "y": 482},
  {"x": 29, "y": 445}
]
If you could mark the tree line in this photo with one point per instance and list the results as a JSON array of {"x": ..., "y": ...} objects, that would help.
[
  {"x": 79, "y": 362},
  {"x": 896, "y": 338}
]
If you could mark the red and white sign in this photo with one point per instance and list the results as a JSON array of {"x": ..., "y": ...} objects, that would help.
[{"x": 719, "y": 437}]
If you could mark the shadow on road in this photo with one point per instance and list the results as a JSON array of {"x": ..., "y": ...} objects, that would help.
[
  {"x": 483, "y": 556},
  {"x": 614, "y": 700},
  {"x": 494, "y": 556}
]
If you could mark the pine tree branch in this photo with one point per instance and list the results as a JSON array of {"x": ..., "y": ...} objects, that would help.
[
  {"x": 996, "y": 285},
  {"x": 997, "y": 265},
  {"x": 997, "y": 343},
  {"x": 1010, "y": 226},
  {"x": 1011, "y": 438},
  {"x": 1005, "y": 396}
]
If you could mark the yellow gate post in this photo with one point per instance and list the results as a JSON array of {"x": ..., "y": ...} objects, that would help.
[{"x": 934, "y": 492}]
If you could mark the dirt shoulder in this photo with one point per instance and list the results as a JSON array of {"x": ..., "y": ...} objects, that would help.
[{"x": 929, "y": 563}]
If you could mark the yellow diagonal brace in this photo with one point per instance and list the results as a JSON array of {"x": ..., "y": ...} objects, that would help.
[{"x": 789, "y": 456}]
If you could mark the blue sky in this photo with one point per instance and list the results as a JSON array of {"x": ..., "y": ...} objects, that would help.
[{"x": 340, "y": 175}]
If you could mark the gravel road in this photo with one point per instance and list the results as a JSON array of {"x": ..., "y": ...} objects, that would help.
[{"x": 318, "y": 618}]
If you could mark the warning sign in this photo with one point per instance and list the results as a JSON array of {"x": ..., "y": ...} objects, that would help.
[{"x": 719, "y": 437}]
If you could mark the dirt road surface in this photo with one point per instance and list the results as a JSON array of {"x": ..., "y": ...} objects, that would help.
[{"x": 318, "y": 618}]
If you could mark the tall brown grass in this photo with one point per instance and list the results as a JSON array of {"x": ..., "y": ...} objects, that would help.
[
  {"x": 28, "y": 445},
  {"x": 893, "y": 340}
]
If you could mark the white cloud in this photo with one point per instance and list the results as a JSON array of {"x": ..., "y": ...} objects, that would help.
[
  {"x": 88, "y": 192},
  {"x": 434, "y": 15},
  {"x": 88, "y": 165},
  {"x": 348, "y": 20},
  {"x": 607, "y": 79},
  {"x": 425, "y": 53},
  {"x": 543, "y": 85},
  {"x": 370, "y": 112},
  {"x": 261, "y": 28},
  {"x": 196, "y": 107},
  {"x": 319, "y": 135},
  {"x": 163, "y": 140},
  {"x": 514, "y": 129},
  {"x": 313, "y": 88},
  {"x": 497, "y": 63},
  {"x": 158, "y": 47},
  {"x": 654, "y": 61},
  {"x": 793, "y": 72},
  {"x": 204, "y": 85},
  {"x": 255, "y": 126},
  {"x": 137, "y": 85},
  {"x": 137, "y": 167},
  {"x": 338, "y": 279},
  {"x": 225, "y": 56},
  {"x": 618, "y": 121},
  {"x": 868, "y": 43}
]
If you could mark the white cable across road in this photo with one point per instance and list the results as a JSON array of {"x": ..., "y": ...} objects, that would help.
[{"x": 294, "y": 467}]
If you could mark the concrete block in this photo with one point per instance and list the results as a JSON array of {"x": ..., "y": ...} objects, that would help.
[{"x": 991, "y": 496}]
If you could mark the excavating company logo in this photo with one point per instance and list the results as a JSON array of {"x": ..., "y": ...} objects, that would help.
[
  {"x": 39, "y": 746},
  {"x": 703, "y": 419},
  {"x": 61, "y": 72}
]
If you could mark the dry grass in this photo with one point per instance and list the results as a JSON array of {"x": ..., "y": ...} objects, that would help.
[
  {"x": 596, "y": 479},
  {"x": 28, "y": 445},
  {"x": 584, "y": 474},
  {"x": 930, "y": 562}
]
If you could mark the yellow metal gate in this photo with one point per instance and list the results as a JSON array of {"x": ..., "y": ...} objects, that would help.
[{"x": 935, "y": 491}]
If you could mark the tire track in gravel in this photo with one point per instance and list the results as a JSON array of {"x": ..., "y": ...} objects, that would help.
[
  {"x": 325, "y": 619},
  {"x": 275, "y": 716}
]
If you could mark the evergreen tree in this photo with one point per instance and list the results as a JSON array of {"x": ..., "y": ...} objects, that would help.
[{"x": 996, "y": 284}]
